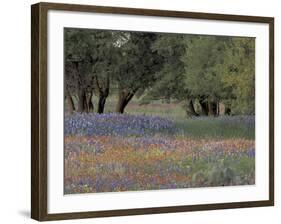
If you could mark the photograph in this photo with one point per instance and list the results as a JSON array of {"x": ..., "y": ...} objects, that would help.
[
  {"x": 157, "y": 111},
  {"x": 140, "y": 111}
]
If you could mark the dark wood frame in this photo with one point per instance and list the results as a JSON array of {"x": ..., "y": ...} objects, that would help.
[{"x": 39, "y": 110}]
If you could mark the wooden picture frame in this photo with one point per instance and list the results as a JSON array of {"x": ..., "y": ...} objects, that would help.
[{"x": 39, "y": 110}]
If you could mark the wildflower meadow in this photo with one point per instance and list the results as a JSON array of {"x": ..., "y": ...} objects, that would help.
[
  {"x": 113, "y": 152},
  {"x": 155, "y": 110}
]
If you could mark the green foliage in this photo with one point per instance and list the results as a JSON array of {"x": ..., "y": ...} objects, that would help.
[
  {"x": 136, "y": 62},
  {"x": 93, "y": 54},
  {"x": 226, "y": 171},
  {"x": 203, "y": 57},
  {"x": 170, "y": 78},
  {"x": 222, "y": 68},
  {"x": 207, "y": 68},
  {"x": 153, "y": 66},
  {"x": 239, "y": 76}
]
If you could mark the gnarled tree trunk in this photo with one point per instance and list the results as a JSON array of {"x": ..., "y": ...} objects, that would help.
[
  {"x": 103, "y": 92},
  {"x": 101, "y": 103},
  {"x": 123, "y": 100},
  {"x": 227, "y": 111},
  {"x": 204, "y": 106},
  {"x": 88, "y": 105},
  {"x": 212, "y": 108},
  {"x": 91, "y": 105},
  {"x": 191, "y": 110}
]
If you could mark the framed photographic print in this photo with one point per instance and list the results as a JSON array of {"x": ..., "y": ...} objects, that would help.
[{"x": 139, "y": 111}]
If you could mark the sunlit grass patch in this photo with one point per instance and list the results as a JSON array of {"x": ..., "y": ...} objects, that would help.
[{"x": 218, "y": 127}]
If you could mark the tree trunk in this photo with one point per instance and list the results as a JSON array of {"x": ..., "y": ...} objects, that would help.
[
  {"x": 81, "y": 101},
  {"x": 88, "y": 105},
  {"x": 71, "y": 105},
  {"x": 123, "y": 100},
  {"x": 91, "y": 105},
  {"x": 227, "y": 111},
  {"x": 120, "y": 107},
  {"x": 101, "y": 103},
  {"x": 191, "y": 111},
  {"x": 212, "y": 108},
  {"x": 218, "y": 108},
  {"x": 204, "y": 106},
  {"x": 103, "y": 93}
]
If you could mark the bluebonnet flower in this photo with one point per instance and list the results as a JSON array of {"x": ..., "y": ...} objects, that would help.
[{"x": 116, "y": 125}]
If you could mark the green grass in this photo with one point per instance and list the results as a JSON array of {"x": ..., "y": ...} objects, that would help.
[
  {"x": 215, "y": 128},
  {"x": 156, "y": 108}
]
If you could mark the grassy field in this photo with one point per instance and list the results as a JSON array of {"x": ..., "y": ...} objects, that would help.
[
  {"x": 156, "y": 147},
  {"x": 155, "y": 108}
]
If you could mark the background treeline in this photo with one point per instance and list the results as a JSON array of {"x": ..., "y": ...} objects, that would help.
[{"x": 204, "y": 72}]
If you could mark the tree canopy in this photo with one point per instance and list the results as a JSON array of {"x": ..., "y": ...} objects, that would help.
[{"x": 204, "y": 72}]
